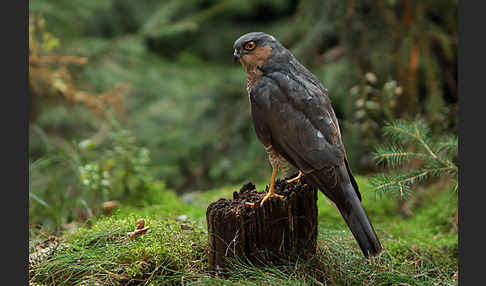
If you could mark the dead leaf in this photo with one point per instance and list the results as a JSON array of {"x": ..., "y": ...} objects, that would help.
[
  {"x": 140, "y": 224},
  {"x": 140, "y": 229},
  {"x": 186, "y": 227}
]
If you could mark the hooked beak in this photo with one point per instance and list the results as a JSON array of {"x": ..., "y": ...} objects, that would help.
[{"x": 236, "y": 56}]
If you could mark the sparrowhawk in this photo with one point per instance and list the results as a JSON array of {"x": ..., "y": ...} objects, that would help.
[{"x": 296, "y": 123}]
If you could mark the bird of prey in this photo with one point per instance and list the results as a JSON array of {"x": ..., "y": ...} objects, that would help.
[{"x": 296, "y": 123}]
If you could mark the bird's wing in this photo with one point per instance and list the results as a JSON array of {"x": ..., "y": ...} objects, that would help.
[{"x": 295, "y": 116}]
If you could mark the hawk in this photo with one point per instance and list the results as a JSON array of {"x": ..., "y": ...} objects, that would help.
[{"x": 296, "y": 123}]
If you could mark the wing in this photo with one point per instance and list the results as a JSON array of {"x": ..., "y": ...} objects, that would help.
[{"x": 295, "y": 116}]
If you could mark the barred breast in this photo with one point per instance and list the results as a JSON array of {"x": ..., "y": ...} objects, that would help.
[{"x": 278, "y": 162}]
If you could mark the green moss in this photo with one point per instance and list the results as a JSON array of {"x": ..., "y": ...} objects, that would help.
[
  {"x": 105, "y": 253},
  {"x": 421, "y": 250}
]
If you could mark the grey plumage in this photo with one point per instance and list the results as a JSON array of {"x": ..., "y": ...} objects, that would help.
[{"x": 292, "y": 113}]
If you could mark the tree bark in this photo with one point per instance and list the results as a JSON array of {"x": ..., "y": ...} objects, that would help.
[{"x": 280, "y": 230}]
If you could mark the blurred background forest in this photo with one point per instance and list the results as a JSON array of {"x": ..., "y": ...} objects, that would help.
[{"x": 129, "y": 98}]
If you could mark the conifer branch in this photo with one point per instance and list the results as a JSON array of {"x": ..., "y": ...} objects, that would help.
[{"x": 435, "y": 157}]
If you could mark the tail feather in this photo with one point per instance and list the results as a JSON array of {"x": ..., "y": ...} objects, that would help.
[
  {"x": 346, "y": 199},
  {"x": 360, "y": 225}
]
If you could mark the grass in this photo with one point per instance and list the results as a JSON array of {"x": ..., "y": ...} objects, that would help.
[{"x": 420, "y": 250}]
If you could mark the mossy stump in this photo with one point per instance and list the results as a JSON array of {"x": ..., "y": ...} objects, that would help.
[{"x": 280, "y": 230}]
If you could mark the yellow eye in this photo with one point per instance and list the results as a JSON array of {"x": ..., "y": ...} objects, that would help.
[{"x": 250, "y": 46}]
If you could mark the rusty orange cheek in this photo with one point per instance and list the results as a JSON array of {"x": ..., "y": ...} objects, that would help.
[
  {"x": 257, "y": 57},
  {"x": 247, "y": 60},
  {"x": 243, "y": 58}
]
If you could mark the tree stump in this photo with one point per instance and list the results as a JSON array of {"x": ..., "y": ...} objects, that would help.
[{"x": 280, "y": 230}]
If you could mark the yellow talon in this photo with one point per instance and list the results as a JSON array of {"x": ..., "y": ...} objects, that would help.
[
  {"x": 296, "y": 178},
  {"x": 271, "y": 193}
]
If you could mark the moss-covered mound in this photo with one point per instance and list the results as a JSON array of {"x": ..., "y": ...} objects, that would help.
[{"x": 419, "y": 250}]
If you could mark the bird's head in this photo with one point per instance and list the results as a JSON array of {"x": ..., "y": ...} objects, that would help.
[{"x": 253, "y": 49}]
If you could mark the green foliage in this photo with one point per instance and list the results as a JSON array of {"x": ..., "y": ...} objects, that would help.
[
  {"x": 173, "y": 57},
  {"x": 163, "y": 107},
  {"x": 40, "y": 40},
  {"x": 407, "y": 43},
  {"x": 117, "y": 169},
  {"x": 371, "y": 106},
  {"x": 72, "y": 181},
  {"x": 54, "y": 192},
  {"x": 421, "y": 250},
  {"x": 164, "y": 70},
  {"x": 411, "y": 141}
]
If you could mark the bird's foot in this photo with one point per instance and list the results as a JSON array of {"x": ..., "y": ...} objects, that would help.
[
  {"x": 270, "y": 195},
  {"x": 296, "y": 179}
]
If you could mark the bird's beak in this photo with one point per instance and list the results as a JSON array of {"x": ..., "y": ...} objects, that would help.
[{"x": 236, "y": 56}]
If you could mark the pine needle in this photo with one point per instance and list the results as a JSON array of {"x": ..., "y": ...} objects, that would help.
[{"x": 434, "y": 158}]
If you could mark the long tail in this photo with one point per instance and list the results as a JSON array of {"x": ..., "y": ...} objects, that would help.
[
  {"x": 346, "y": 199},
  {"x": 361, "y": 227}
]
